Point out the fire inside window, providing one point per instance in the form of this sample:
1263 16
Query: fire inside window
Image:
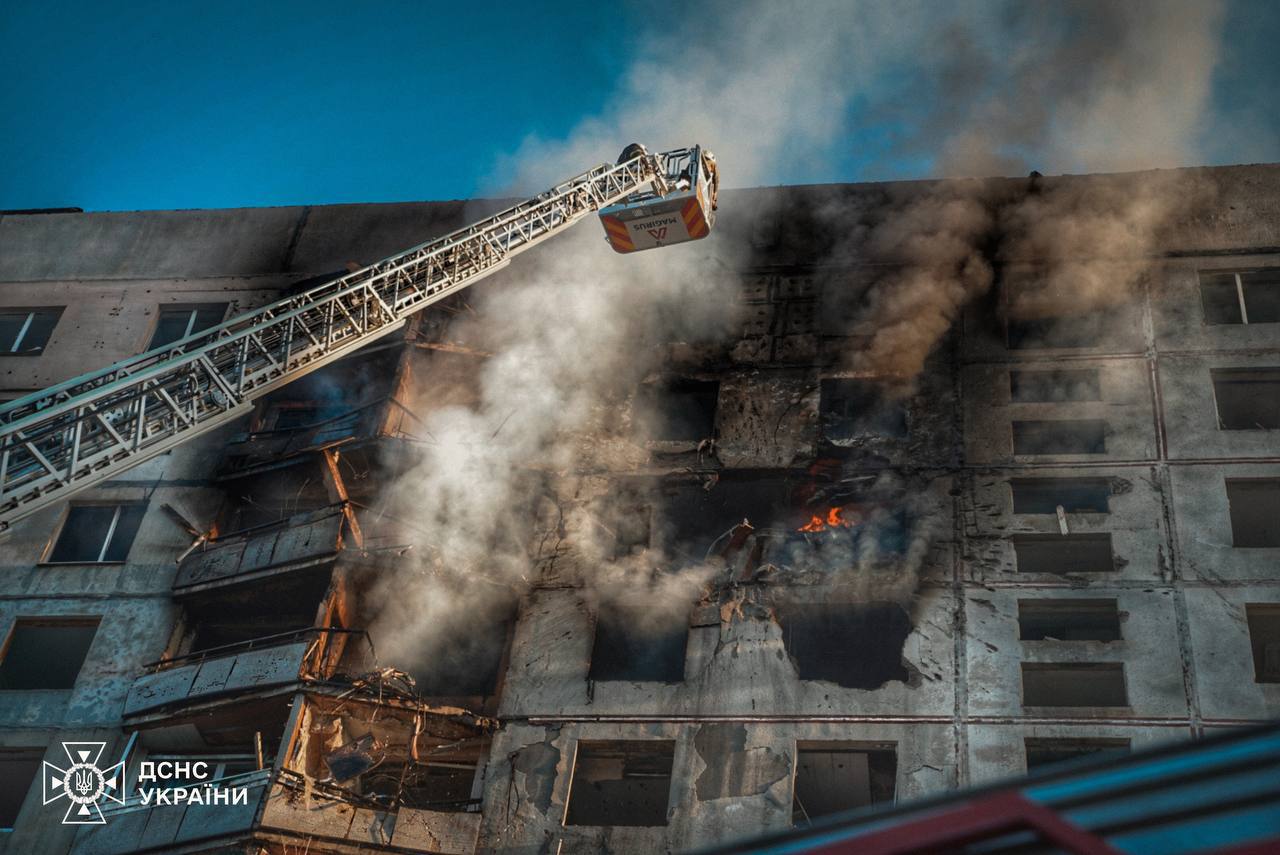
1241 297
25 332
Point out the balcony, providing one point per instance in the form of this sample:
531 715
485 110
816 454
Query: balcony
135 827
273 661
325 815
297 543
263 450
325 819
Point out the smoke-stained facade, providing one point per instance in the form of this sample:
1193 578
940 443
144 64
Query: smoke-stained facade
882 490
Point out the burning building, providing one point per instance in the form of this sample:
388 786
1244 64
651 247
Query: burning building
879 491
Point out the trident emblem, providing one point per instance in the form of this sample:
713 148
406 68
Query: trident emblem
83 783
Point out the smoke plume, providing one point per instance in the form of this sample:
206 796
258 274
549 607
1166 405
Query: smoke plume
775 88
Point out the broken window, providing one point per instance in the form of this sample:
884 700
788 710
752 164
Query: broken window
640 644
1028 387
630 523
1075 684
18 769
857 645
1248 398
835 777
1264 635
1068 620
851 407
1046 752
97 534
1254 504
1064 553
46 653
25 332
468 664
444 780
622 782
1244 297
1074 495
1062 436
1084 330
678 410
275 606
177 322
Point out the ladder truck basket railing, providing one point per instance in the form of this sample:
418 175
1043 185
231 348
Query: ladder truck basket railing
70 436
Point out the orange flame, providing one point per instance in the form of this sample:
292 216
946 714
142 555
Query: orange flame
834 519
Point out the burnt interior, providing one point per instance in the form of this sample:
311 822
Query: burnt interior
697 520
677 409
621 783
856 645
854 407
637 642
832 777
272 606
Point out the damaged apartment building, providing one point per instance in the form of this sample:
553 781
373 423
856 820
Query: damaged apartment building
769 584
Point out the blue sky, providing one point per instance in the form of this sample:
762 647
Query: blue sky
133 105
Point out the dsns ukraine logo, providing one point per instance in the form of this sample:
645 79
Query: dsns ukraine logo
83 783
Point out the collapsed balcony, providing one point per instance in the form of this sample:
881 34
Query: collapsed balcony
374 765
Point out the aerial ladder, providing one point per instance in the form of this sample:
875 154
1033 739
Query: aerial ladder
63 439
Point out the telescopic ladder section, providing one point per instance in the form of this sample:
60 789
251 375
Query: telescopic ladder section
58 441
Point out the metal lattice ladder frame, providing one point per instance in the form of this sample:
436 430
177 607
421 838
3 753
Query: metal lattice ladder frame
58 441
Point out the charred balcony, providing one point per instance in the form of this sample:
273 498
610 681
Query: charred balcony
353 404
376 765
296 544
266 665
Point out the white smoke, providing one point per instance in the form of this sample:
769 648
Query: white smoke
771 88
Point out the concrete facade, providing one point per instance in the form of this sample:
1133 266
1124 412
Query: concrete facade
738 722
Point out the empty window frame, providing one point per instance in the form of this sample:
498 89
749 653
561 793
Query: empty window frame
18 769
1068 620
637 644
1077 331
25 332
1241 297
97 534
1037 387
832 777
1060 436
1073 495
46 653
621 782
629 520
1064 553
1264 635
1247 398
852 407
857 645
1046 752
177 322
1254 504
680 410
1074 684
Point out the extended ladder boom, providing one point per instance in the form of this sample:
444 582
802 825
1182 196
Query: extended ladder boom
63 439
